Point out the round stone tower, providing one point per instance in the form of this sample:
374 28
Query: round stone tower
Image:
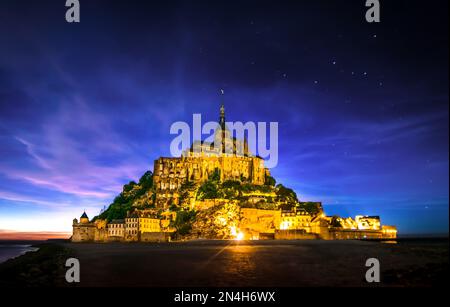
84 218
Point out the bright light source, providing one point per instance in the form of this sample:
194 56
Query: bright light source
240 236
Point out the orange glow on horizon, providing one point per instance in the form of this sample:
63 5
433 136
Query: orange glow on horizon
32 236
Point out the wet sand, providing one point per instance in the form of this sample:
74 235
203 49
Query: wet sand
261 263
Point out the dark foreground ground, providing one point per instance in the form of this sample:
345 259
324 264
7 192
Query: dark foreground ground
230 263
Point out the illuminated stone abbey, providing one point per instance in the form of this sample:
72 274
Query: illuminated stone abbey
226 154
218 190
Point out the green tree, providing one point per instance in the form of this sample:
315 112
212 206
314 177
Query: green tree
215 176
231 184
208 190
132 192
270 181
286 194
146 181
183 221
186 189
313 208
129 186
335 222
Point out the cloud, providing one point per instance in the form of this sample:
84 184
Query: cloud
29 199
31 152
69 155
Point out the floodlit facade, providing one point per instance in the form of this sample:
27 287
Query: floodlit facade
227 158
365 222
116 230
148 224
226 154
140 225
296 219
132 227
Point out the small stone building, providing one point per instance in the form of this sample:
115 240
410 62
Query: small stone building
116 230
84 230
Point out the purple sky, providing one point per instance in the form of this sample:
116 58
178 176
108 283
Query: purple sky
362 108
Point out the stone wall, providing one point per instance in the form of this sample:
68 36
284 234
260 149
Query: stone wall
115 239
294 235
208 203
171 173
83 232
259 220
155 237
346 234
100 235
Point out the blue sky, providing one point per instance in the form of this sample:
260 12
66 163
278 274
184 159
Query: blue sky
362 109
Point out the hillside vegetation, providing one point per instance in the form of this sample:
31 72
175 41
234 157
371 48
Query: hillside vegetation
142 195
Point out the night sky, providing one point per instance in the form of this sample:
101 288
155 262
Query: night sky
362 108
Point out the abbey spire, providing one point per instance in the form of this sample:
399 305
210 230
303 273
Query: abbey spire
222 117
222 112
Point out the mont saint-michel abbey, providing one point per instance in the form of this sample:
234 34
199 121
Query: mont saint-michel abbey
218 190
227 154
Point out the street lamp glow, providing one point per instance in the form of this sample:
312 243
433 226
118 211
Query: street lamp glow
239 236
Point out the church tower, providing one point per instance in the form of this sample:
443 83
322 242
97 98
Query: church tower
222 117
84 218
222 135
